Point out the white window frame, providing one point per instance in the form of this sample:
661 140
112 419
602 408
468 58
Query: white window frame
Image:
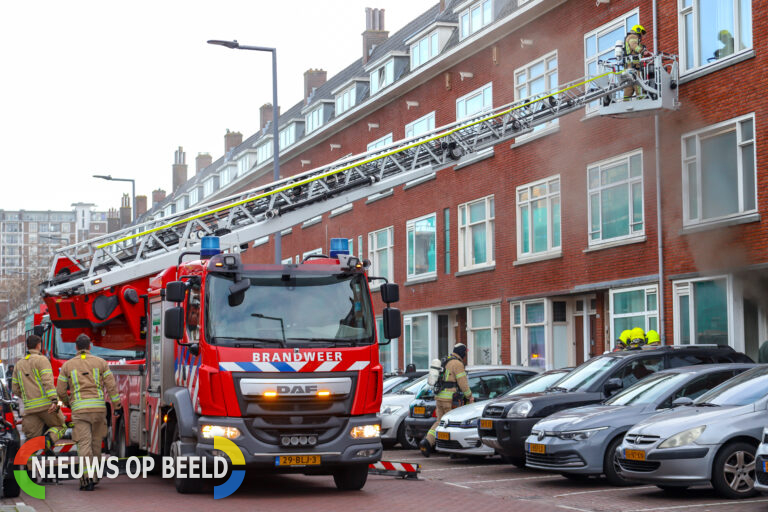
647 313
380 142
495 328
690 162
598 190
523 340
314 119
430 43
552 250
407 325
693 11
382 76
287 261
208 187
466 247
374 256
683 288
485 8
264 152
194 196
287 136
481 91
224 175
243 166
410 226
304 255
410 128
346 99
550 85
605 29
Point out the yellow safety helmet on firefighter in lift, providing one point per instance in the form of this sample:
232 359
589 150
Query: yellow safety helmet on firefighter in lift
638 29
637 338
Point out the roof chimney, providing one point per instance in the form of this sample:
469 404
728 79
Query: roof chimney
141 205
232 140
202 161
125 211
313 78
265 114
179 168
374 34
158 196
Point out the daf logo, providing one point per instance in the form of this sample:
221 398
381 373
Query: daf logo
541 435
297 389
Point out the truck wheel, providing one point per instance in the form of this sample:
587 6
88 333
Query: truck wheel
183 485
611 467
123 449
406 441
733 473
351 478
11 488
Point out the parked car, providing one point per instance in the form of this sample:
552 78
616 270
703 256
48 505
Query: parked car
712 441
394 409
761 463
457 432
582 441
507 423
485 382
398 382
10 442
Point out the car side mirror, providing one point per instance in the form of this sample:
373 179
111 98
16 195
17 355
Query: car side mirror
681 401
390 293
174 323
391 320
612 386
175 291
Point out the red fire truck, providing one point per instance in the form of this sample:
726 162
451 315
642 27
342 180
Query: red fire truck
281 359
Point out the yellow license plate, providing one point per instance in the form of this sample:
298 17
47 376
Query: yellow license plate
486 424
444 436
297 460
420 410
537 448
634 454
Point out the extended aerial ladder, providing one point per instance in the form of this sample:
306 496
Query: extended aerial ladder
147 248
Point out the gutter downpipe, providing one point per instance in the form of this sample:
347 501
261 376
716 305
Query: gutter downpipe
659 233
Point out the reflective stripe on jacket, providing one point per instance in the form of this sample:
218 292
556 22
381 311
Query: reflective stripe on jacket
86 376
454 372
33 381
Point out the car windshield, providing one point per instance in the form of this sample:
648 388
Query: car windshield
400 386
589 372
391 383
536 384
303 308
67 350
650 389
743 389
413 388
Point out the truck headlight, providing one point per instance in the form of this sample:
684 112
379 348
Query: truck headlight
683 438
390 409
520 409
211 431
365 431
579 435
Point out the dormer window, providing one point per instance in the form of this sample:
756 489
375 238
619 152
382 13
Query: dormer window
193 199
345 100
243 164
382 76
288 136
264 152
475 17
424 49
313 121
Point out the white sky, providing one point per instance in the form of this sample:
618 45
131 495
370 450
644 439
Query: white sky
100 87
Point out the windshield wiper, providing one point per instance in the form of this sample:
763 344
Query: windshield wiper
558 388
706 404
251 342
334 341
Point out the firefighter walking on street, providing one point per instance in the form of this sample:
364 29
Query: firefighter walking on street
86 377
453 393
33 381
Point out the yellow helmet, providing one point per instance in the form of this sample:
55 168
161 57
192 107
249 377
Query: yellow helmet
653 337
638 29
638 337
625 336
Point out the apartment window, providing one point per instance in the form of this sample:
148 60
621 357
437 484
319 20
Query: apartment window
529 322
380 143
380 253
701 312
538 218
634 307
223 178
536 78
479 100
382 76
719 171
475 18
208 187
345 100
421 235
360 247
287 136
615 189
416 340
420 126
447 238
712 30
32 227
387 353
314 119
476 234
287 261
264 152
193 196
65 227
484 324
243 165
600 43
423 50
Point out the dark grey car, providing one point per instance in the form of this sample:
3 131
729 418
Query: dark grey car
583 441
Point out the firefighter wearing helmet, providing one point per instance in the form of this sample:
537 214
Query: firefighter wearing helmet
633 50
637 338
623 342
653 340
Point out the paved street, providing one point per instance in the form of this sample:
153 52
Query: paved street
444 485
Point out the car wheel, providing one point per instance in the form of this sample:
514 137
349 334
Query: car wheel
515 461
611 468
406 441
733 473
11 487
351 478
672 489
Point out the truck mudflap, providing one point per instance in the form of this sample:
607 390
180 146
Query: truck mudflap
344 450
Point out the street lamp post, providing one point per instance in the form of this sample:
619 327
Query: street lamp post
109 177
275 142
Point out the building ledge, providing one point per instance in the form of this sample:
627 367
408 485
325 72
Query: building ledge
286 231
342 209
419 280
617 243
724 223
380 195
717 66
312 222
477 157
534 259
487 268
525 139
419 181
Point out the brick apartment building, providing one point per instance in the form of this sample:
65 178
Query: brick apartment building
542 249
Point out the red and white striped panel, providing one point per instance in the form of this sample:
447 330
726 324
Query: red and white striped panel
395 466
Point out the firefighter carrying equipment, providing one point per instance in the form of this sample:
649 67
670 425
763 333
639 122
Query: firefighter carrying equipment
33 382
87 376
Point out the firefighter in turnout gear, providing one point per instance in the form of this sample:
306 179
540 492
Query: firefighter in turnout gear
454 393
633 50
33 382
86 377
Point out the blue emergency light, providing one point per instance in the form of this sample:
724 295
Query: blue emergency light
209 246
339 246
